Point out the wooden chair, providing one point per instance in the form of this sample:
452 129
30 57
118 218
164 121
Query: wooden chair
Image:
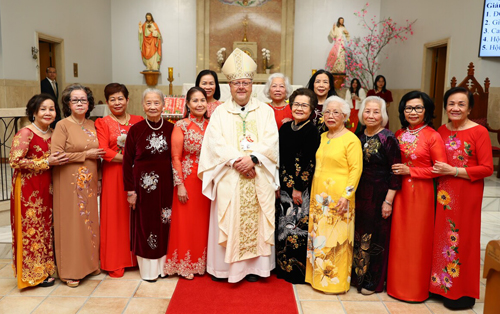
479 113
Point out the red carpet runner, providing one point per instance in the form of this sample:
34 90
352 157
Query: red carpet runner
202 295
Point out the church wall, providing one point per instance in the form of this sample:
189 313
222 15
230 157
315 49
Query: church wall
436 20
85 28
313 21
176 20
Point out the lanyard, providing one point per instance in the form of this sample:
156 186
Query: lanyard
244 123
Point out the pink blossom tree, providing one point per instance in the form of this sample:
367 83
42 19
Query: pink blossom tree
362 53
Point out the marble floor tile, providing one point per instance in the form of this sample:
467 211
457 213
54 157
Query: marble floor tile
60 305
104 305
359 307
322 307
19 305
407 308
116 288
34 291
147 306
438 308
305 292
353 295
85 289
7 285
162 288
6 270
478 308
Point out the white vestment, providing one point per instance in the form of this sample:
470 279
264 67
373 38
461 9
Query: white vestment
241 235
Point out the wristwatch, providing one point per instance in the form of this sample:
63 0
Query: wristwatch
254 159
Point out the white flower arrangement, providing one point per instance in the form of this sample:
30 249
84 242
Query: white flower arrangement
221 56
266 57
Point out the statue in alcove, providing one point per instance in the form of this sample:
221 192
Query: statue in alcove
339 36
150 43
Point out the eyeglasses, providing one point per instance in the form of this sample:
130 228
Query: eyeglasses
298 105
333 113
418 109
82 101
239 84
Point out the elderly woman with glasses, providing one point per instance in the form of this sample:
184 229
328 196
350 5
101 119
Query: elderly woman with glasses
410 251
278 89
299 140
374 197
76 221
339 163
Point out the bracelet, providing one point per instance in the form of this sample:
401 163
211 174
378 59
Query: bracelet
456 174
387 202
130 193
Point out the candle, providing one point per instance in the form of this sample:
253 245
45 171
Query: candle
171 73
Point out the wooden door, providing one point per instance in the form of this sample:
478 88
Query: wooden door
47 58
438 83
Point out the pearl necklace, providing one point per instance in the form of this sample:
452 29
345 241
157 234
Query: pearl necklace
43 132
161 124
80 124
415 132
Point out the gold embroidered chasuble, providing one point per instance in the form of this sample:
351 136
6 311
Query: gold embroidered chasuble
245 206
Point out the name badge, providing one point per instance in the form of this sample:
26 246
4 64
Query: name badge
245 144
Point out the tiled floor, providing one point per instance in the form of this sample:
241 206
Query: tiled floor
102 294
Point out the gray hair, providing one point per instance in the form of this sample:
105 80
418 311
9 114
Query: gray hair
344 106
377 100
288 87
154 91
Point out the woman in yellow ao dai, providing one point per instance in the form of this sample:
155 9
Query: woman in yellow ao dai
339 163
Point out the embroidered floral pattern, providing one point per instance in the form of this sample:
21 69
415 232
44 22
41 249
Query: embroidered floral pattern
191 147
452 268
166 213
249 217
157 143
186 266
408 144
152 241
370 148
149 181
444 199
84 192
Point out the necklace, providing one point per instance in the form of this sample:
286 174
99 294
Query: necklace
161 124
296 128
80 124
244 122
199 124
415 132
127 119
43 132
330 138
369 138
277 108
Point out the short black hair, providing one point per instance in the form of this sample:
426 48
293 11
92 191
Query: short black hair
114 88
459 89
331 79
66 95
313 99
209 72
34 104
428 105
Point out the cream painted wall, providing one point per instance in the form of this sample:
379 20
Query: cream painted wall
459 20
84 26
313 21
177 22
